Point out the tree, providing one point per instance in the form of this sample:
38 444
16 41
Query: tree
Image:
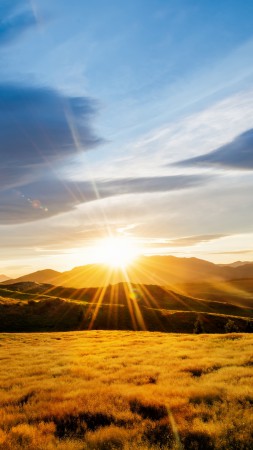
198 327
231 327
249 326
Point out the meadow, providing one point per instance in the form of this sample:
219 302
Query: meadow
105 390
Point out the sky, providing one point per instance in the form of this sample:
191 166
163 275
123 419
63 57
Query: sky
127 120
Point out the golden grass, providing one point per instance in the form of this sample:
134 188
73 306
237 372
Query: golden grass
125 390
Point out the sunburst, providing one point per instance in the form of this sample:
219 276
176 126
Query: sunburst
117 252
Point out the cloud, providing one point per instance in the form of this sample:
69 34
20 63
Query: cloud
193 240
14 21
40 128
41 131
50 196
150 184
181 242
237 154
235 252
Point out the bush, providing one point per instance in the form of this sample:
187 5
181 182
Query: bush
231 327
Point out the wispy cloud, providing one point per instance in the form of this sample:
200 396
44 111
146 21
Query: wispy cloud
16 18
237 154
187 241
41 131
188 137
50 196
193 240
235 252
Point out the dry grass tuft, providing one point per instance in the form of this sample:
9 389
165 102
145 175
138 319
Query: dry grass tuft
108 438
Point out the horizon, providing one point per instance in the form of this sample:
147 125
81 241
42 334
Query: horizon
125 128
119 269
18 271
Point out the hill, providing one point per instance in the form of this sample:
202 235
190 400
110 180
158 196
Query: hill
159 270
237 292
36 307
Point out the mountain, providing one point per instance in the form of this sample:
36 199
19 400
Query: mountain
244 271
3 278
156 270
236 264
41 276
160 270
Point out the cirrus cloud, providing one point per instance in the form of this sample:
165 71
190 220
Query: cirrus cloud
51 196
16 18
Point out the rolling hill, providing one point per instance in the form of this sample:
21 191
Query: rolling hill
158 293
237 292
31 306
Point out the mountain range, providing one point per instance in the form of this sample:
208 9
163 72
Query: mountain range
155 270
156 293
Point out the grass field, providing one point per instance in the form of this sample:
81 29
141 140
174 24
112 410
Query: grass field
126 390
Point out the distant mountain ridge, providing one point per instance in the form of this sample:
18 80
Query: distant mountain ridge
236 264
41 276
156 270
3 278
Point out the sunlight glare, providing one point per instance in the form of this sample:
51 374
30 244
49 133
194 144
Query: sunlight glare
117 252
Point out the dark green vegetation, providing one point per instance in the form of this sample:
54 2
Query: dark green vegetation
39 307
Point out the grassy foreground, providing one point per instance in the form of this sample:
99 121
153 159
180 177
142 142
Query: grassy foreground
126 390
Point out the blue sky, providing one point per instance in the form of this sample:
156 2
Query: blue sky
125 118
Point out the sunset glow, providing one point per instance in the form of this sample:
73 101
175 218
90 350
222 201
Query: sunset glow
116 252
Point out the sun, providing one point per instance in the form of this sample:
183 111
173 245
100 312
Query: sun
117 252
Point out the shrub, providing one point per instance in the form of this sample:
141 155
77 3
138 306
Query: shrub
231 327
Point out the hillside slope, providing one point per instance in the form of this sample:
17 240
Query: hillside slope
33 307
